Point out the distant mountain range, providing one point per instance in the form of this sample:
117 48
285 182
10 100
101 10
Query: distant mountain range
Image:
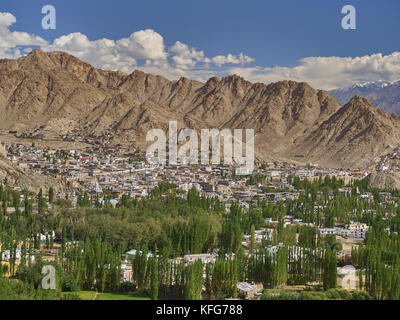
51 94
385 95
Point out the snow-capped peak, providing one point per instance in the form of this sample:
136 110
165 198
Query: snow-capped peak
373 84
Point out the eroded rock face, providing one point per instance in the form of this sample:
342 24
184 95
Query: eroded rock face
63 94
384 180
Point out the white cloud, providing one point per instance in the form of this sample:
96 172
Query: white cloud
241 59
185 57
102 53
12 41
122 54
330 72
143 45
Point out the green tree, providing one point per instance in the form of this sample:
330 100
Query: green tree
154 277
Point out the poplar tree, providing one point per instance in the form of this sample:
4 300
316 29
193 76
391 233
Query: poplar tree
330 269
252 238
154 276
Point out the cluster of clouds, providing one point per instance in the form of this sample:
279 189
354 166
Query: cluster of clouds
11 41
330 72
146 50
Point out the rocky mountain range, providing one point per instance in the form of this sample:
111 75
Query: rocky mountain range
53 94
385 95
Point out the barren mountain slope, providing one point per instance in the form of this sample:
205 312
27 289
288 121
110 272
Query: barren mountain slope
12 175
353 136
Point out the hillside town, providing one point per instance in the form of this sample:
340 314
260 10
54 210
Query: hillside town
118 173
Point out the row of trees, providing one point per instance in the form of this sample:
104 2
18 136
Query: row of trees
379 260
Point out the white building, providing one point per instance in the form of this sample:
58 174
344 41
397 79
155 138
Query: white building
205 258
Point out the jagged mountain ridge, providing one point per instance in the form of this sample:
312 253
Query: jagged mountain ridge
60 92
385 95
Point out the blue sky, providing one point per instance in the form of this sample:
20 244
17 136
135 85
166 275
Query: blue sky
270 33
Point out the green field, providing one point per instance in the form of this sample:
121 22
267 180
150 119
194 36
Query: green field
91 295
116 296
84 295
